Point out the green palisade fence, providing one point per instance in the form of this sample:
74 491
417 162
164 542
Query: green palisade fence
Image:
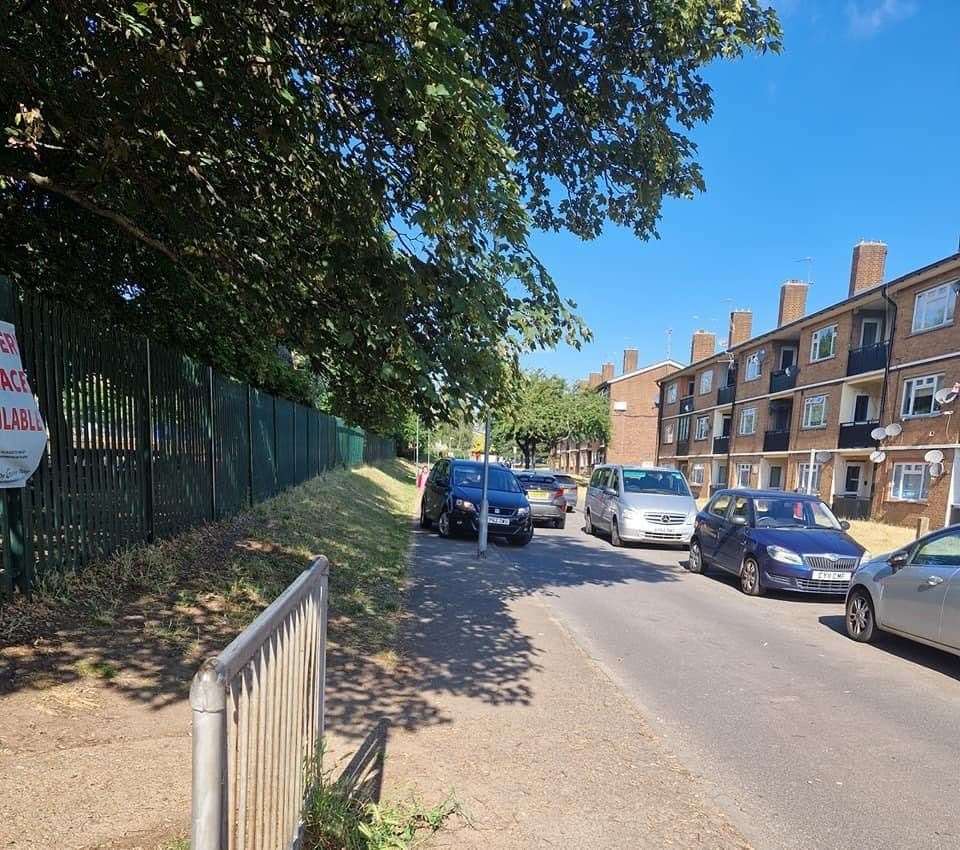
145 442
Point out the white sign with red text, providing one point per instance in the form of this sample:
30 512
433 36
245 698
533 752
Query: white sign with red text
23 436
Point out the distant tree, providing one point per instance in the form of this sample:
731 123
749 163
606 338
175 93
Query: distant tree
353 181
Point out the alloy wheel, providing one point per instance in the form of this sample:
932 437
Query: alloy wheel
750 577
696 559
443 524
615 534
859 617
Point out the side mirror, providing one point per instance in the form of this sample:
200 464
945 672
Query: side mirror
612 491
898 560
844 525
738 520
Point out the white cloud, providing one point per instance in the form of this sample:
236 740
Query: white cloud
868 18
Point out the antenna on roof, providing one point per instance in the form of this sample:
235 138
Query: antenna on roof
809 262
669 342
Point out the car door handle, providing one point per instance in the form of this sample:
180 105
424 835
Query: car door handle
933 581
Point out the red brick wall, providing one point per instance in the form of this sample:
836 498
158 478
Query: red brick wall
633 432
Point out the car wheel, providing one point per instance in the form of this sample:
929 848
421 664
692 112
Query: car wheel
860 619
443 524
424 519
523 539
560 523
750 578
587 523
696 562
615 533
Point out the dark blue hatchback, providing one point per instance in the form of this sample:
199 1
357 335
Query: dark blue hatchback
772 539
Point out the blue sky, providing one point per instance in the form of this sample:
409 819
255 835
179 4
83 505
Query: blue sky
853 132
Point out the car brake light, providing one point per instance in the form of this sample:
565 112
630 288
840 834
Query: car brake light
559 494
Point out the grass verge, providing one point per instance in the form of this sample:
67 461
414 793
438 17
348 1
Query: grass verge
877 537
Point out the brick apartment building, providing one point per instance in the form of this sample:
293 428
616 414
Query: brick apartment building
632 397
806 398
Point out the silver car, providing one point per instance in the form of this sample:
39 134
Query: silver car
914 592
545 496
571 490
640 504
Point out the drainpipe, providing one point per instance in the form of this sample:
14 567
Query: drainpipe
886 377
659 420
732 367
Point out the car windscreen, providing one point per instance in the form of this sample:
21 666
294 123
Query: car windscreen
654 481
501 480
787 512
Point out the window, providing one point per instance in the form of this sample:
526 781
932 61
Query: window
741 508
596 478
804 484
776 477
910 482
935 307
942 551
748 421
654 481
696 474
754 366
718 507
706 382
918 396
824 343
703 427
815 412
683 428
668 433
690 386
743 474
672 393
721 477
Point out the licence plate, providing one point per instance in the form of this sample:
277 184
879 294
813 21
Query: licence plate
665 529
537 494
498 520
830 575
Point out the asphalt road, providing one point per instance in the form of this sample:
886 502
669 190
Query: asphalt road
806 739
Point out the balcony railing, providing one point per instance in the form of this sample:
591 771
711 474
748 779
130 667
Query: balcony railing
783 379
851 507
776 441
683 447
856 435
721 445
686 404
725 394
867 359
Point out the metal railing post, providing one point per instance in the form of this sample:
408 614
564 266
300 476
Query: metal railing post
208 702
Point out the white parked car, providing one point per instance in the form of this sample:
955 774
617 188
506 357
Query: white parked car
914 592
640 504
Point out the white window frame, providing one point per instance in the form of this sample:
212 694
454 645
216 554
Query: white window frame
706 382
808 404
946 291
672 393
741 468
668 432
909 401
703 428
754 367
803 471
815 343
683 428
696 474
753 421
901 470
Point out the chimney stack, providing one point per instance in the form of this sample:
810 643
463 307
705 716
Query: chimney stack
631 360
793 301
607 371
703 345
594 380
741 327
868 266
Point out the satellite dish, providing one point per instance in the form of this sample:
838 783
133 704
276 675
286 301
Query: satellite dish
762 355
894 429
933 456
947 395
878 456
936 470
878 433
822 457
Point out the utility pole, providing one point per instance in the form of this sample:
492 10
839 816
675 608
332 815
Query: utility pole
417 449
482 535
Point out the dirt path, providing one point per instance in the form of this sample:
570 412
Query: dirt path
494 701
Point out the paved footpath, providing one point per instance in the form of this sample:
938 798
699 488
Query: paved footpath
494 700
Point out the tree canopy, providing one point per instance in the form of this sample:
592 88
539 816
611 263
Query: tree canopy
355 182
544 410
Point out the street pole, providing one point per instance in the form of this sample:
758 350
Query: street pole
417 450
482 536
810 473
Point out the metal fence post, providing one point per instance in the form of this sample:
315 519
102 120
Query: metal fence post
250 443
211 446
208 702
148 448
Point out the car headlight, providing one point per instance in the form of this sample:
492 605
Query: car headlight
633 516
866 556
522 511
464 505
785 556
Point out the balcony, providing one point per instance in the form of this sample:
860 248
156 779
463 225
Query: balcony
721 445
725 394
686 404
683 447
851 507
856 435
776 441
783 379
867 359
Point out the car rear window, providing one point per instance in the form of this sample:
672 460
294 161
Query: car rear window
566 480
538 482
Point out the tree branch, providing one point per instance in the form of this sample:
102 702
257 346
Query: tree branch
39 181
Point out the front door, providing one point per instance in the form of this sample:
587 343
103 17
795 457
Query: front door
869 332
611 496
775 478
860 408
788 356
851 480
913 597
725 426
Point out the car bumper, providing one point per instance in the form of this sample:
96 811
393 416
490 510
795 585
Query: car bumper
643 533
468 522
550 511
571 500
776 576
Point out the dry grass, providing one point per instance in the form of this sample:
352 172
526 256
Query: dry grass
877 537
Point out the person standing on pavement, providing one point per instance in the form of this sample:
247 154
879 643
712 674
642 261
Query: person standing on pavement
422 476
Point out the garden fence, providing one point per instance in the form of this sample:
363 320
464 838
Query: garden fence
145 442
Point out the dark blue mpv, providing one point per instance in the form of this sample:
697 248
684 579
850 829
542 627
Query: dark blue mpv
775 540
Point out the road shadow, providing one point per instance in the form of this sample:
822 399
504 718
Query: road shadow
937 660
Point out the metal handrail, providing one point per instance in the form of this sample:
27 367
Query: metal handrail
250 764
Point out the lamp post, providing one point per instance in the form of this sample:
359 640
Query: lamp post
482 535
